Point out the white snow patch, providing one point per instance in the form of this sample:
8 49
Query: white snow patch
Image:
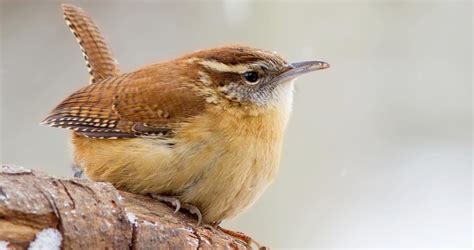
132 218
3 197
120 198
154 224
149 223
3 245
47 239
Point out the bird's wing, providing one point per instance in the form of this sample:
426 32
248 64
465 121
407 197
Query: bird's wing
99 59
130 105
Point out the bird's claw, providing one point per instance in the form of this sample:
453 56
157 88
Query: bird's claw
178 205
247 239
194 210
168 199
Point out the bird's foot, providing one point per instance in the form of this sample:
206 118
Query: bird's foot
77 171
194 210
178 205
168 199
239 235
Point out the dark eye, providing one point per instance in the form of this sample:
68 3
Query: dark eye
250 76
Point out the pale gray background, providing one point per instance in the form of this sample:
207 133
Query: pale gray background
378 151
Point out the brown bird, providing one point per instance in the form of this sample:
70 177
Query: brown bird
203 131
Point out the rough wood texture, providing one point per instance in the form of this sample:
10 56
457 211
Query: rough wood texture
94 215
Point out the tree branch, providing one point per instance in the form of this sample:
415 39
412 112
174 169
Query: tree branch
93 215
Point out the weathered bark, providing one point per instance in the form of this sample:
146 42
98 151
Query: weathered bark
94 215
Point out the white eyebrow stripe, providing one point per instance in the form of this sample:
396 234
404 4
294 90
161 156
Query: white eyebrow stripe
221 67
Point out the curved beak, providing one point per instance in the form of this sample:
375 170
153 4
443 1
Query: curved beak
296 69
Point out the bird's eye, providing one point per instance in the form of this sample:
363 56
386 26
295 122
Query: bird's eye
250 76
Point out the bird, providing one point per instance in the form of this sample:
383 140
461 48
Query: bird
203 131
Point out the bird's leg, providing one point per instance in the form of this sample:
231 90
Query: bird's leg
239 235
78 171
178 205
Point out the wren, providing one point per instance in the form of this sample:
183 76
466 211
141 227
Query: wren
204 129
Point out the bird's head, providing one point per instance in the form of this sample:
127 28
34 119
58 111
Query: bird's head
246 75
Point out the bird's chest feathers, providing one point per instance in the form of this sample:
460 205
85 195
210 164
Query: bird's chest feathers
229 146
234 141
230 158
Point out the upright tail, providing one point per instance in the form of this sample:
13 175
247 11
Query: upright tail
99 59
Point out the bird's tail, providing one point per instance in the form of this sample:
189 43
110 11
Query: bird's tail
99 59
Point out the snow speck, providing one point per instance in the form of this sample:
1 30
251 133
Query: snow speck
149 223
132 218
13 169
120 198
3 245
3 196
49 238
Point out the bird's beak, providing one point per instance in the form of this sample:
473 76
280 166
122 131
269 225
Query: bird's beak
294 70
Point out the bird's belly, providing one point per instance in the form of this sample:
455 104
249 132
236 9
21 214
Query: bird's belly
231 178
219 171
221 179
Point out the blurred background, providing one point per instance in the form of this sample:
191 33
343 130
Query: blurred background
378 152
